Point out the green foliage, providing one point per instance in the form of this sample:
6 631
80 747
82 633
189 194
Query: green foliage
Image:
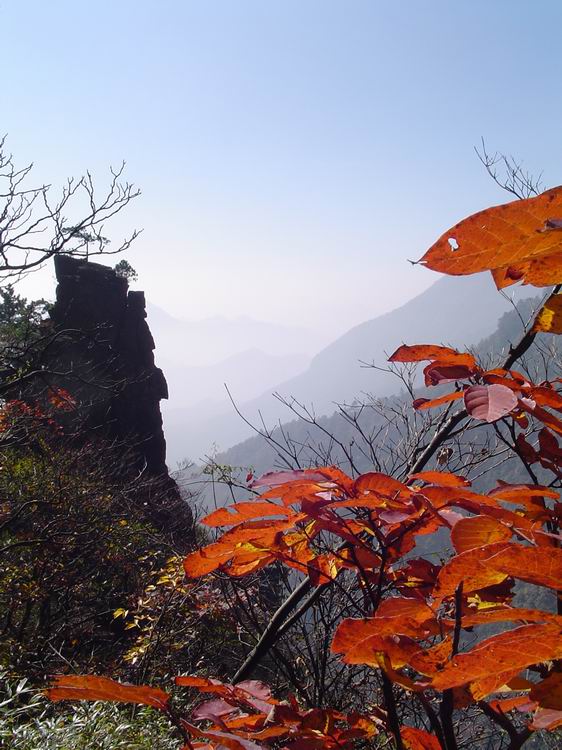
125 270
20 319
28 722
71 532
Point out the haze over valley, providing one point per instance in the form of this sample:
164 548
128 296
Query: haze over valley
199 417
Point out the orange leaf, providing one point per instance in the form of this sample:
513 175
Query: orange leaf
486 566
513 650
381 484
361 641
548 693
422 352
509 614
418 739
520 702
240 512
425 403
477 531
205 560
92 688
549 319
441 478
519 493
491 684
503 237
546 396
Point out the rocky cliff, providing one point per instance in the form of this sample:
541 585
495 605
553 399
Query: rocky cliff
104 354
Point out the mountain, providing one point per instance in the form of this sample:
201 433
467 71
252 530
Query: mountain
456 311
199 357
212 340
365 437
247 373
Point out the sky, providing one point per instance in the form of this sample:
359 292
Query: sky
292 155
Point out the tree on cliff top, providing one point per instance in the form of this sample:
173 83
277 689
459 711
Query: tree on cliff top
36 225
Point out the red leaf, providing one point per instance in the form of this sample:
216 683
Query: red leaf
486 566
425 403
548 693
513 650
92 688
421 352
477 531
441 478
546 718
418 739
489 402
438 373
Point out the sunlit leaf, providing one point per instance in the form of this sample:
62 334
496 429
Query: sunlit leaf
441 478
513 650
93 688
505 238
422 352
492 564
418 739
425 403
549 319
477 531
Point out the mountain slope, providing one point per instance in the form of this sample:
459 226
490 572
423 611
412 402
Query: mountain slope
312 445
457 311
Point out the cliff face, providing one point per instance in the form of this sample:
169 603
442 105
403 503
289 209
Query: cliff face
105 357
113 360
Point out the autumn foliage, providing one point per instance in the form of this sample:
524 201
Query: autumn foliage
448 637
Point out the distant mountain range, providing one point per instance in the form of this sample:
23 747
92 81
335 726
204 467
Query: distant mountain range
455 311
261 455
212 340
248 373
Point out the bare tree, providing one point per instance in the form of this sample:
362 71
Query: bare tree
36 224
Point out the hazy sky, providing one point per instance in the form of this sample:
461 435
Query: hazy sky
292 155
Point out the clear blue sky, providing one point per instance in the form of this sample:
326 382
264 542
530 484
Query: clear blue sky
292 155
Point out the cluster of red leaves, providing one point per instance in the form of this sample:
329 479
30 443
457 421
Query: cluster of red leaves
241 717
490 395
417 607
14 411
322 522
378 519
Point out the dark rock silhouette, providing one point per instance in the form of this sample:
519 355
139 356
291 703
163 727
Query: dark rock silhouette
105 357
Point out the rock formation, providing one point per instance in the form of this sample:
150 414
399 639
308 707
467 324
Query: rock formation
105 357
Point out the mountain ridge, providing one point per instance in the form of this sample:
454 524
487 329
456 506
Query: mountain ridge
458 312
